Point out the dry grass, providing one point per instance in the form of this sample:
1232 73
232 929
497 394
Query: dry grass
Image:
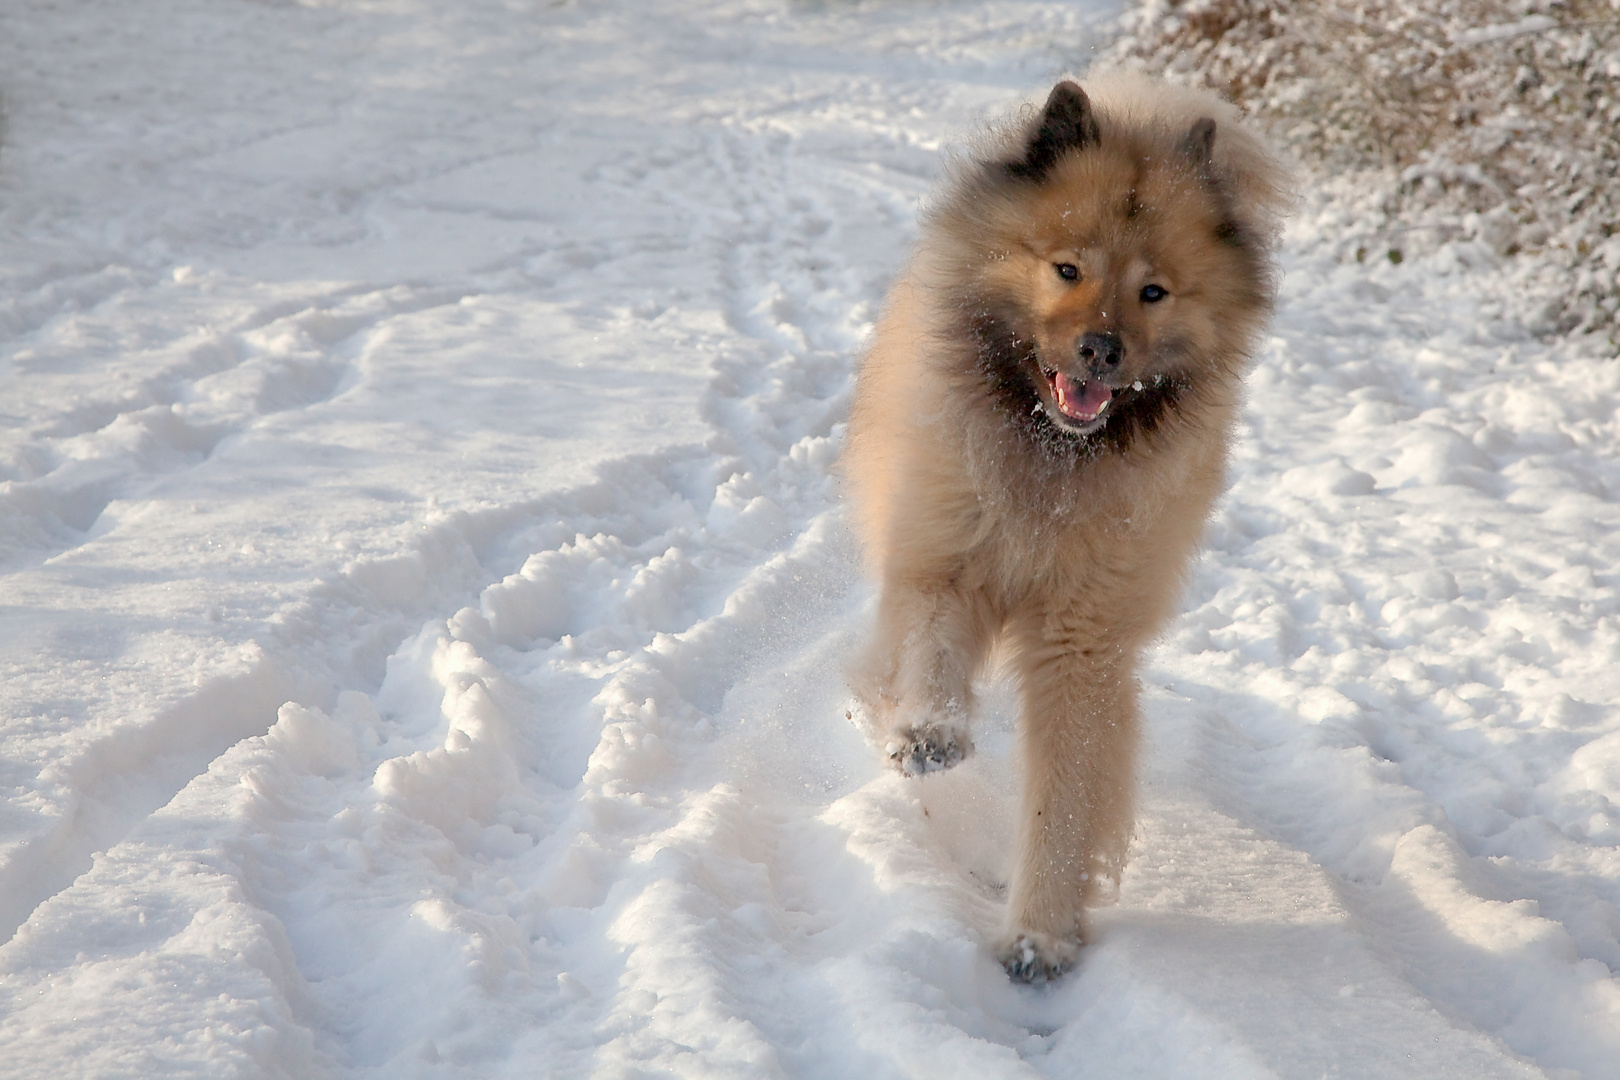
1496 121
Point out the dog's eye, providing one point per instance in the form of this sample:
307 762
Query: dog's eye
1152 294
1068 271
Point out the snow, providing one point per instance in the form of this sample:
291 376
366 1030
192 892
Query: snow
424 596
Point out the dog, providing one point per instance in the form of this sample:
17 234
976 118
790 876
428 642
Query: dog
1038 433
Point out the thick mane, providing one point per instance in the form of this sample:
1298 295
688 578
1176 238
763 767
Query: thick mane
985 347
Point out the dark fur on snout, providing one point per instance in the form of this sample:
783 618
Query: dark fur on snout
1040 428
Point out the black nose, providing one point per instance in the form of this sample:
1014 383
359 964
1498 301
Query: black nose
1102 350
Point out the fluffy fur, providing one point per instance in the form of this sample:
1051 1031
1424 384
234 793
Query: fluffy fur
1039 430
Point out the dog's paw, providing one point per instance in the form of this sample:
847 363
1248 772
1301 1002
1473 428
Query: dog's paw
1033 957
927 748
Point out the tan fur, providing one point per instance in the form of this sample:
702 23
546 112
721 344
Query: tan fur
989 525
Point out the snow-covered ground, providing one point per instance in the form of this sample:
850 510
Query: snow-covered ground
423 592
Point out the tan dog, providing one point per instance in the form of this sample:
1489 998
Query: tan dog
1040 428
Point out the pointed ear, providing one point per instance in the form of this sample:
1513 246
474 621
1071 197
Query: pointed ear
1200 142
1067 123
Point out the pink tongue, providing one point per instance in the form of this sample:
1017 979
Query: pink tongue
1083 401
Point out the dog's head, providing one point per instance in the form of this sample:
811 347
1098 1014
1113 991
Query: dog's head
1112 250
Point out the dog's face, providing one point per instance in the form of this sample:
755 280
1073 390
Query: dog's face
1114 260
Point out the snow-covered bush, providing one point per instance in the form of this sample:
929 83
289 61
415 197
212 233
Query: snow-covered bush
1496 121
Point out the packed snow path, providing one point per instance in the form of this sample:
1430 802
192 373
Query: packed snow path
424 593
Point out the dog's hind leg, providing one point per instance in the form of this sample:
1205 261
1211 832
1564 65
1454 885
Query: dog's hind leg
931 639
1079 735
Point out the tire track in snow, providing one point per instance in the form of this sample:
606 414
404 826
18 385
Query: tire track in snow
665 677
252 166
104 805
255 846
173 400
77 462
714 501
105 785
556 821
658 708
218 381
698 868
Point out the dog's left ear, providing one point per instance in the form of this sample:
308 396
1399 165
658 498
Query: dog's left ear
1200 143
1067 123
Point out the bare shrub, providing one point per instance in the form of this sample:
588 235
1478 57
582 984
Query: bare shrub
1489 120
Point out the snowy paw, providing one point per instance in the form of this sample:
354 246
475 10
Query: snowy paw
1033 957
927 748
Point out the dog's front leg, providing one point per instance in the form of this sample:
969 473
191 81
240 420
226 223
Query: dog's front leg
1079 735
932 636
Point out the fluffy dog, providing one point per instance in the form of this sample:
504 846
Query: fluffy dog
1039 430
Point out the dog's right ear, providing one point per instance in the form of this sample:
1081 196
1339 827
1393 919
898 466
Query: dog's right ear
1067 123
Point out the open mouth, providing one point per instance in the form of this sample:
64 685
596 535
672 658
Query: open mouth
1082 402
